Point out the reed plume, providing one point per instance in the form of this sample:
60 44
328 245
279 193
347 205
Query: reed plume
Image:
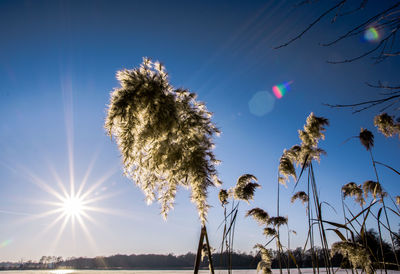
164 135
374 188
286 167
357 255
268 231
353 190
366 138
245 187
259 215
277 221
300 195
386 125
266 260
223 197
303 154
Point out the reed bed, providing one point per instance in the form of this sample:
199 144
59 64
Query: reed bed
359 246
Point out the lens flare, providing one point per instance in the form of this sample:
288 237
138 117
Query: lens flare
371 34
261 103
281 89
5 243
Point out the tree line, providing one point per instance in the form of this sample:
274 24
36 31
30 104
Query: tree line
303 259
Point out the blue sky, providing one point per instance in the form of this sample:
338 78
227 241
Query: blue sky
58 61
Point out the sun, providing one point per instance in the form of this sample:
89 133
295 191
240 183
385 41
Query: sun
73 207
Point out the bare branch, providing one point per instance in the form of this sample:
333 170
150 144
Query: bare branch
380 85
365 104
358 57
312 24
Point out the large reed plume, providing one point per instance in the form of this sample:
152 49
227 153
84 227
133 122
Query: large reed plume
165 138
164 135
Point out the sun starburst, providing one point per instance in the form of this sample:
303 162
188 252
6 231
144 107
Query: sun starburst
73 206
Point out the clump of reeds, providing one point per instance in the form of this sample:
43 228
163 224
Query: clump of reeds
303 155
357 255
266 260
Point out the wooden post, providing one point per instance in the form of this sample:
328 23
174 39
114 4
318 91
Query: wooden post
209 252
199 248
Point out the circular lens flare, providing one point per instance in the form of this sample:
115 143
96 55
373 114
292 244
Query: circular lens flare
371 34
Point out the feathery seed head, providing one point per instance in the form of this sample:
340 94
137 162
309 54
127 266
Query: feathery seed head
266 260
366 138
386 125
313 130
245 187
259 215
164 136
268 231
223 197
286 167
277 221
374 188
301 195
353 190
308 150
355 253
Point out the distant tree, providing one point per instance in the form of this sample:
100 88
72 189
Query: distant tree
372 242
164 135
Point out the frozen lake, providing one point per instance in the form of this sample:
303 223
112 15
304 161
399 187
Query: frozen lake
249 271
